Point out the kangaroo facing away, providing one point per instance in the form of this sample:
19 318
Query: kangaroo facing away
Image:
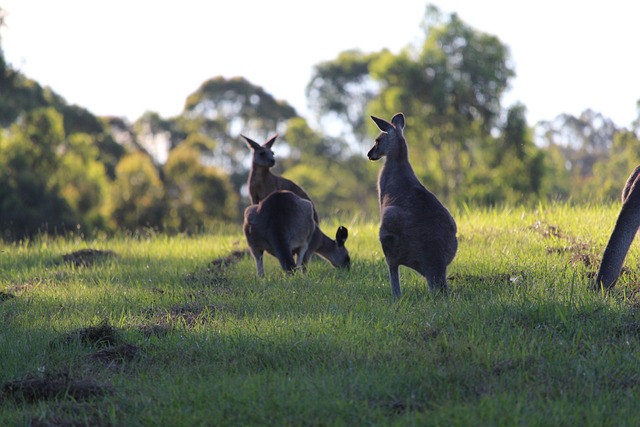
262 182
416 230
623 233
282 224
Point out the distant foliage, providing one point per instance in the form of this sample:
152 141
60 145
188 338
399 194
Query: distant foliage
197 196
64 170
31 199
83 182
137 194
223 108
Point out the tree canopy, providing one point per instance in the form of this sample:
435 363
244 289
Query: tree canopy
63 169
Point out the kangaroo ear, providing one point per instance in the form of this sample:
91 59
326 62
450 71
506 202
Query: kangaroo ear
382 124
398 121
251 143
270 142
341 235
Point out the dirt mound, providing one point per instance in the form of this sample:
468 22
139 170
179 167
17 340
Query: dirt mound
32 389
87 257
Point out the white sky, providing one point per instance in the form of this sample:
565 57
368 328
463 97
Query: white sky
125 57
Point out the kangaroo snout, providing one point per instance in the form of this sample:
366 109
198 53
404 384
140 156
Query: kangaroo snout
372 155
346 265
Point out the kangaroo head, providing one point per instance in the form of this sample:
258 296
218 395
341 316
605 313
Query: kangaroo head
262 154
387 140
341 257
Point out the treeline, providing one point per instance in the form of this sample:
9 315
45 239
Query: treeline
64 170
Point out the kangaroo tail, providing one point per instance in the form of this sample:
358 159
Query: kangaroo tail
630 181
622 236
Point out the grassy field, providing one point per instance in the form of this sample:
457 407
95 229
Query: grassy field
178 331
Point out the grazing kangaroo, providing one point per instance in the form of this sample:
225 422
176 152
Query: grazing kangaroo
623 233
262 182
282 224
416 230
333 251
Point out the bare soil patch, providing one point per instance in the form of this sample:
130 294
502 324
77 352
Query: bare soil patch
582 252
32 389
102 335
87 257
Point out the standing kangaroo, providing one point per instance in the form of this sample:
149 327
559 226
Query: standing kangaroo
282 224
262 182
623 233
416 230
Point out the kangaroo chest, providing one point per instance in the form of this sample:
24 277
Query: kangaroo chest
395 184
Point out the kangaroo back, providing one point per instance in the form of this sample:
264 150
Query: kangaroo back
282 225
262 181
623 234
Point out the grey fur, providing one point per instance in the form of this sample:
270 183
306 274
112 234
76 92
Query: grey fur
282 224
416 230
623 234
262 182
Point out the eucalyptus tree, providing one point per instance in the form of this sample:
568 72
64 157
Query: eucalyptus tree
449 86
336 179
196 195
610 172
340 91
582 139
137 196
223 108
50 181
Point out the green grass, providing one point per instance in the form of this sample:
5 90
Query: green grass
520 340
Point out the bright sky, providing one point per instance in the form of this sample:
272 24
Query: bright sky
125 57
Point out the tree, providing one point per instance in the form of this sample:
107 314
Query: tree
449 88
157 135
610 174
466 71
196 195
335 180
30 198
137 194
340 90
307 143
223 108
518 162
83 182
583 139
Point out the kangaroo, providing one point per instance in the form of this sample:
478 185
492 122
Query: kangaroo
623 233
630 181
262 182
416 230
333 251
282 224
